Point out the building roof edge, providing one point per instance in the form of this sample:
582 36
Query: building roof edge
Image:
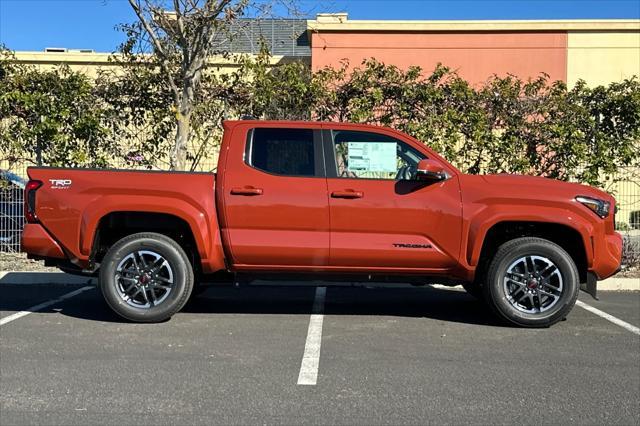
347 25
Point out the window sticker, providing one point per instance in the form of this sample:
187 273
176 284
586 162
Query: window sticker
372 156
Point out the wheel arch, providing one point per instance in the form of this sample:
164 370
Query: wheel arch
191 233
198 214
116 225
567 237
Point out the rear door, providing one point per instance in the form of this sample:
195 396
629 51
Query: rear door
381 217
276 209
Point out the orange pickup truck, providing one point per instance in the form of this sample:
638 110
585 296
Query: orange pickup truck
323 200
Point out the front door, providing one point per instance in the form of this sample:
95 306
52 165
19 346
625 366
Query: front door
276 211
381 217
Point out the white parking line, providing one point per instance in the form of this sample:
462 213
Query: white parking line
608 317
311 358
43 305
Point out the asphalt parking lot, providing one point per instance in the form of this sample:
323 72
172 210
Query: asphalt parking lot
384 356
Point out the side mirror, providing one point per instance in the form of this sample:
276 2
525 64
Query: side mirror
430 170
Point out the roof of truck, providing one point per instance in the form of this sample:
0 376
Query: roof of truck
302 123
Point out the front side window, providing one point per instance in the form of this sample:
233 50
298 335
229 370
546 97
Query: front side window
288 152
369 155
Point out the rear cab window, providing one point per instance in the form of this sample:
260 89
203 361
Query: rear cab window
285 152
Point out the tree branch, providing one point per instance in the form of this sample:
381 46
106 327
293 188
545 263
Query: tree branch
206 35
180 22
158 46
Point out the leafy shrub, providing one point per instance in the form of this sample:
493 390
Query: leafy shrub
536 127
622 226
50 117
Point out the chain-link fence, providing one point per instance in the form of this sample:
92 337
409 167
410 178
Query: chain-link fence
626 189
11 211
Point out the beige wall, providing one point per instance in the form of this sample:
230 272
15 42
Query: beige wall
90 63
602 57
87 63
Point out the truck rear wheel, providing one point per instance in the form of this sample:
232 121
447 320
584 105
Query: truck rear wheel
146 277
531 282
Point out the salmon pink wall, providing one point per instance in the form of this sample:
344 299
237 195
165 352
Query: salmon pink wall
475 55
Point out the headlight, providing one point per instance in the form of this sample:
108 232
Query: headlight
599 207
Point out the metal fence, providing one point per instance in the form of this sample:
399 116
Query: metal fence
11 212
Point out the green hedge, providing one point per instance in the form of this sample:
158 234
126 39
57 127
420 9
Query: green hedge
538 127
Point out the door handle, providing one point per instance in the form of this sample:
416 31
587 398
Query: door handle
246 191
347 194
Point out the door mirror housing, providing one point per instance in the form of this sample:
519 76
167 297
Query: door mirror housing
430 170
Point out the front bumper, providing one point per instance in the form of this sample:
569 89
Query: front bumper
36 241
607 261
607 256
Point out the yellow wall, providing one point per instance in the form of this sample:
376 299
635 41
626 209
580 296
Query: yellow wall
86 63
602 57
90 63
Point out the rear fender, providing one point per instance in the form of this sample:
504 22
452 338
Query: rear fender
205 229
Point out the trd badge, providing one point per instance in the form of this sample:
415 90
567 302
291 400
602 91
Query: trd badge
60 183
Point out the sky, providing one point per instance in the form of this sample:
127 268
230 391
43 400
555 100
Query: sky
91 24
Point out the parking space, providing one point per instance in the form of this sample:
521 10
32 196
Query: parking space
387 355
19 297
618 302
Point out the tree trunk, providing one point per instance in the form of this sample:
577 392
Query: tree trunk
179 154
183 132
38 152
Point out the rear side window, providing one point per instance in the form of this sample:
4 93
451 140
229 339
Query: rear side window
288 152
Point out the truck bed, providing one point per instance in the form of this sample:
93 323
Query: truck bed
72 202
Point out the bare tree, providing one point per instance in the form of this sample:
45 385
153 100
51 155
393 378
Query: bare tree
181 41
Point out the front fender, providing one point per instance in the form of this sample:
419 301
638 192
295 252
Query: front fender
480 223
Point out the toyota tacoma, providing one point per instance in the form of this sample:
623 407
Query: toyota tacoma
337 201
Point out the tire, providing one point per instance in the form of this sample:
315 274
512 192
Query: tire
146 277
531 282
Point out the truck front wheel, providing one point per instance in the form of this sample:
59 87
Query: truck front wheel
146 277
531 282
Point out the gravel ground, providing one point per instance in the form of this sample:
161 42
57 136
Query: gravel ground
19 262
632 272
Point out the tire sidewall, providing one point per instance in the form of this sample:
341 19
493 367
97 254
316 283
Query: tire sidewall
183 277
494 288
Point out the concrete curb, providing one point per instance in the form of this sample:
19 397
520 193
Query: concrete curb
619 284
60 278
